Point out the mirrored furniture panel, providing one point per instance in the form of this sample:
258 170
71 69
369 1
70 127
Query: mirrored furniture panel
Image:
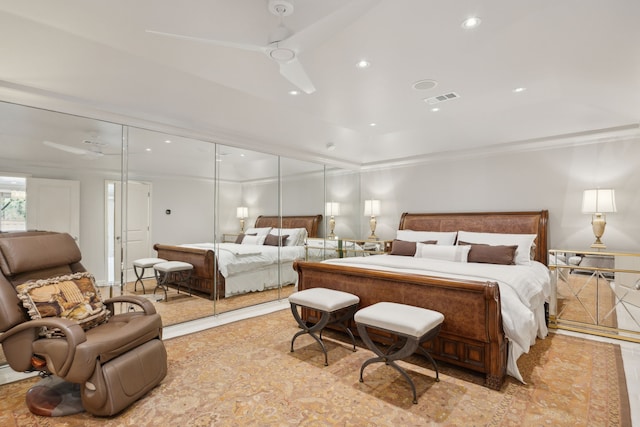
123 189
596 292
344 248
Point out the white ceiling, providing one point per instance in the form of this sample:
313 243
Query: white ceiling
579 61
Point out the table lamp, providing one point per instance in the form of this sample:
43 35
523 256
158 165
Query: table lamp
242 212
598 202
372 208
332 209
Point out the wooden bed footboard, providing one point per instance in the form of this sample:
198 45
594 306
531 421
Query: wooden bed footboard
205 275
471 336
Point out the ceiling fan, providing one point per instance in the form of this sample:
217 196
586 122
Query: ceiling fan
92 153
284 46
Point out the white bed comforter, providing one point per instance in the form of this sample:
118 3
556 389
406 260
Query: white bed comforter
236 258
523 292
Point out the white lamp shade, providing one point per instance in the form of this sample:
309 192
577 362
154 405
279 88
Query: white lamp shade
372 207
332 208
600 200
242 212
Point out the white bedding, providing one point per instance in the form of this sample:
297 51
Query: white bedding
523 291
248 268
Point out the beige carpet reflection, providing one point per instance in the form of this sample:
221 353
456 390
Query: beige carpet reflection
243 374
181 307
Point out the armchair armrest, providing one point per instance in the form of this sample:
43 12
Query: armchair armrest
146 305
73 334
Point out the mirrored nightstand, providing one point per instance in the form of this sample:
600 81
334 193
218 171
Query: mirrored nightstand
596 293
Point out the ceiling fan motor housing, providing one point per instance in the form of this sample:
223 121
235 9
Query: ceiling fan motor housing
280 7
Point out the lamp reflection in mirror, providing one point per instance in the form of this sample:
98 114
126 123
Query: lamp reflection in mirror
242 212
371 209
332 209
598 202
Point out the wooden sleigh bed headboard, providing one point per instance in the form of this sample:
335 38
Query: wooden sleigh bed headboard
310 222
534 222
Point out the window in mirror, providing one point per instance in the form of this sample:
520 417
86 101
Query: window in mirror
13 213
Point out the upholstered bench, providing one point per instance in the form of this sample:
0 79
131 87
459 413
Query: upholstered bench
336 307
412 325
139 266
177 272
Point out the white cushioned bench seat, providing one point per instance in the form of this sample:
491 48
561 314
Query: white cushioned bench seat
177 272
148 262
139 266
401 318
335 307
412 327
170 266
323 299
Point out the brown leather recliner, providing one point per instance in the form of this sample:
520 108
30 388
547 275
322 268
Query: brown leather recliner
114 363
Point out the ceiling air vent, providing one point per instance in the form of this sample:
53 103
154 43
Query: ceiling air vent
441 98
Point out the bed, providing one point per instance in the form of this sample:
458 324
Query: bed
242 268
477 310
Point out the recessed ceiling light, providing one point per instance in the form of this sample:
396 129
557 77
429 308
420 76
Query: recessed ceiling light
519 89
373 124
424 84
471 22
363 63
435 109
294 92
147 149
167 141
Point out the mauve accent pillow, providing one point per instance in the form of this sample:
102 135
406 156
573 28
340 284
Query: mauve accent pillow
490 254
404 248
273 240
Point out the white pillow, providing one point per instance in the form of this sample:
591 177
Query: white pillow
297 236
442 252
253 240
524 242
261 231
442 237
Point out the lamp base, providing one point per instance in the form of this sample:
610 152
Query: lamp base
598 223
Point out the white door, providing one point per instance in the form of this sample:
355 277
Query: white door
137 234
54 205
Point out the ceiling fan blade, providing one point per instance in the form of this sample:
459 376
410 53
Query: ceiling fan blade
223 43
67 148
294 72
320 31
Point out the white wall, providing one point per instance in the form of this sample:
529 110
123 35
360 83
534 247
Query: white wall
92 206
550 179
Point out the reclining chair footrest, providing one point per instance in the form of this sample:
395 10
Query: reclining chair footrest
122 381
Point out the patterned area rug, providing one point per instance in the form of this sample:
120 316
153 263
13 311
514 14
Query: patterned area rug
182 307
243 374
